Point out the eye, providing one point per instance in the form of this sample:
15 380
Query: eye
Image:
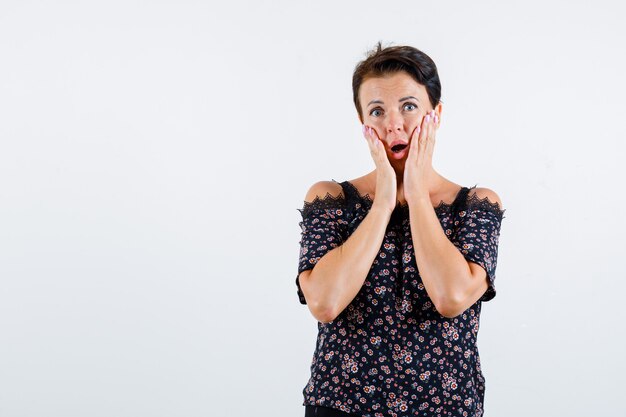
377 109
410 106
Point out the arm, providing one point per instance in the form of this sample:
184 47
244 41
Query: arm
339 275
452 282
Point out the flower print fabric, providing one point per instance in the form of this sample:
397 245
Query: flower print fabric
478 237
324 227
390 352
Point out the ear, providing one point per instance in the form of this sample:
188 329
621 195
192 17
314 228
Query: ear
438 110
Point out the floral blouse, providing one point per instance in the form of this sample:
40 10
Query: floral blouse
390 352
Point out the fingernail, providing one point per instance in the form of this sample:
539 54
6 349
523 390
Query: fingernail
363 129
427 118
436 118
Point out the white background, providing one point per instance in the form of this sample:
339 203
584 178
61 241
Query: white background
153 155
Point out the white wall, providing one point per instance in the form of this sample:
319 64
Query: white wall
153 156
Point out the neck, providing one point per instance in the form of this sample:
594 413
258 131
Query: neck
435 181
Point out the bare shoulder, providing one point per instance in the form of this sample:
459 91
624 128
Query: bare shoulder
483 193
322 189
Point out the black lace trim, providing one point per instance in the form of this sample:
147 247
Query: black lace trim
329 202
404 206
485 203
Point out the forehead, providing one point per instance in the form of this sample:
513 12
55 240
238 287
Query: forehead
398 84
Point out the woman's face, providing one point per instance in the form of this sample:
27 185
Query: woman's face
394 106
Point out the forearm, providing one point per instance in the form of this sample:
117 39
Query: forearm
339 275
444 271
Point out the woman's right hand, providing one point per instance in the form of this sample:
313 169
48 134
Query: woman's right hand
386 182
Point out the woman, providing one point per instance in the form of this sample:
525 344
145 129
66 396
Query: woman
395 264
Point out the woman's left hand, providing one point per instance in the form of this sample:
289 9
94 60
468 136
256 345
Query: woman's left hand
419 160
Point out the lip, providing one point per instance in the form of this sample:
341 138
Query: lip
401 154
398 142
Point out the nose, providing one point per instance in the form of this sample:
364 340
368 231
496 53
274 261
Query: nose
395 123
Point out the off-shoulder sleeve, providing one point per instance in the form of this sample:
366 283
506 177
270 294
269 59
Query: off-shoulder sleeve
323 228
478 237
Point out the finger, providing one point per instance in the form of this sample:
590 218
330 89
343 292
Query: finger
381 154
424 133
431 122
433 125
414 141
375 140
373 144
366 134
429 127
373 133
431 134
372 137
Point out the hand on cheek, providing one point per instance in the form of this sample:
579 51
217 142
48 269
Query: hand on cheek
419 159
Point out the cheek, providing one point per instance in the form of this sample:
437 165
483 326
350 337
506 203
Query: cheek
377 124
415 121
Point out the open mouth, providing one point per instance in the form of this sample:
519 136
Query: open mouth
398 148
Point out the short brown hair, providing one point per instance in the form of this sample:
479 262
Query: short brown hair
383 61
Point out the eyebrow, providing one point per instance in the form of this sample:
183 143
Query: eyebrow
399 101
